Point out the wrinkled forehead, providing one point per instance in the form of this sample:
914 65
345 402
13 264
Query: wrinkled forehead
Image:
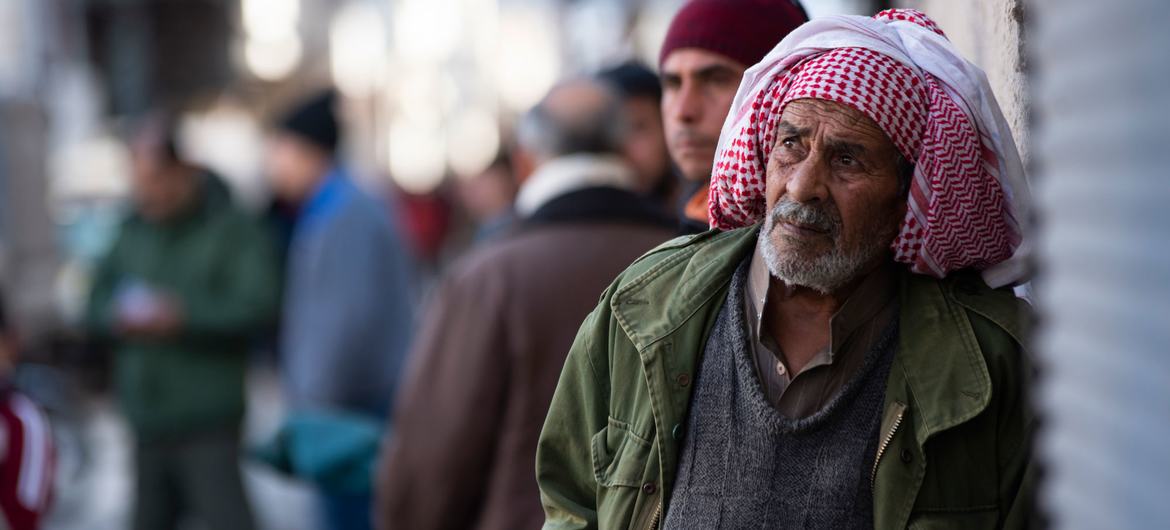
834 121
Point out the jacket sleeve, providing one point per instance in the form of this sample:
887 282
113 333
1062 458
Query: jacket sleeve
437 460
99 308
1017 470
244 296
564 469
1011 372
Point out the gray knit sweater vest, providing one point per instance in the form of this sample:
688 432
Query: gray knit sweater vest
745 465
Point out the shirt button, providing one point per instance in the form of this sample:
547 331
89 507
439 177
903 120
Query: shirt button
907 456
677 431
780 369
683 380
649 488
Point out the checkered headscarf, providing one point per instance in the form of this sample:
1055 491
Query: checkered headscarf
960 212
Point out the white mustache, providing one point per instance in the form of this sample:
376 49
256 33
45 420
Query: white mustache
817 218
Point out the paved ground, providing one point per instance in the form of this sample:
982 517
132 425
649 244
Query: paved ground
95 492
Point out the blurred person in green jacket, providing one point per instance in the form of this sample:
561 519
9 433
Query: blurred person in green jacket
188 283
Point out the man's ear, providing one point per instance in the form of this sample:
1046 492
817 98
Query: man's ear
523 165
8 353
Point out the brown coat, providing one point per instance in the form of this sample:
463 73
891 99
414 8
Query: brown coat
487 362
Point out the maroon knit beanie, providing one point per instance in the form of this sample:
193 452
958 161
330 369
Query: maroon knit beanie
743 30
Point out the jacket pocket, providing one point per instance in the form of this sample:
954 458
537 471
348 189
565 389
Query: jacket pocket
623 469
973 519
619 456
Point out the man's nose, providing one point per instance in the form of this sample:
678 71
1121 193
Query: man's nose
687 106
806 182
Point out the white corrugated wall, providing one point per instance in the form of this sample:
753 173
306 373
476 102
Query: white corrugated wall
1102 153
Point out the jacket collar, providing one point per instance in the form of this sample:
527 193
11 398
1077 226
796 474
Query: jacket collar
327 196
946 376
661 299
945 372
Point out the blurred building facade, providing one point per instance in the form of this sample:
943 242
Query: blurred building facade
1102 96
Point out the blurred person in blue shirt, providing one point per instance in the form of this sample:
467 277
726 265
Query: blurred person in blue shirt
347 316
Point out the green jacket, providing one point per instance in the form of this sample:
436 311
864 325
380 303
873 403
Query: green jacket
220 264
954 449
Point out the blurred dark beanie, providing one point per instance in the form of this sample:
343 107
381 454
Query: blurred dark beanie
314 120
633 79
743 30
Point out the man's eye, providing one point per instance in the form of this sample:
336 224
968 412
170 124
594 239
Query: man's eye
789 142
724 79
846 160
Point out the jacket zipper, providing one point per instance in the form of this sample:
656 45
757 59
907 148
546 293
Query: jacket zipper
889 437
654 518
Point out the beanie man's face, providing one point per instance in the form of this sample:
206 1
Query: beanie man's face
698 87
295 167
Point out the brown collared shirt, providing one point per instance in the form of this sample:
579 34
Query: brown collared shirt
853 329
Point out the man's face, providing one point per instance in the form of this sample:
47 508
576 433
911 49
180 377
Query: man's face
489 193
162 188
697 90
833 197
645 145
294 167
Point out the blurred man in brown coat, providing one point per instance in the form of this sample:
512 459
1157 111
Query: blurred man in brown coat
494 341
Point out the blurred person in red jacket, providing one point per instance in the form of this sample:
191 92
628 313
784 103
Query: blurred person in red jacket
26 446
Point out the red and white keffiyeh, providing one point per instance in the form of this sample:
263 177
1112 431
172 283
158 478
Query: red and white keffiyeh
968 197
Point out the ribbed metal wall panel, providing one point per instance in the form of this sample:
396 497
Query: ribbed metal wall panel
1102 100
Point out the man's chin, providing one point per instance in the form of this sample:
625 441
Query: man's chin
799 247
694 168
798 263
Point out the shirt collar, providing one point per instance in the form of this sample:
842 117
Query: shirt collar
326 194
874 292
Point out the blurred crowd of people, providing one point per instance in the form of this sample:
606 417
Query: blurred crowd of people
410 404
431 396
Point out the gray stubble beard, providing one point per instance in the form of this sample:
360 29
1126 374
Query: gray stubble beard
829 271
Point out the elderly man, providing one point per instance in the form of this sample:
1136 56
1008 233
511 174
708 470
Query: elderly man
837 357
495 339
708 46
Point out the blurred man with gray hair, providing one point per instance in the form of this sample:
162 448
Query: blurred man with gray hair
493 343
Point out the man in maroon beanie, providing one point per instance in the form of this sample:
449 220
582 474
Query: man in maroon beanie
708 46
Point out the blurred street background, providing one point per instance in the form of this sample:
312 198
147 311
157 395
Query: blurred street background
428 95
